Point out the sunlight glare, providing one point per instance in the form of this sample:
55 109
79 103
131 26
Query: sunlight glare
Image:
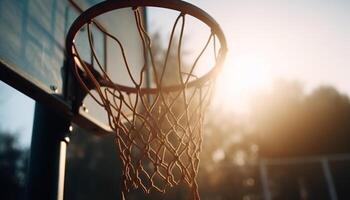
240 79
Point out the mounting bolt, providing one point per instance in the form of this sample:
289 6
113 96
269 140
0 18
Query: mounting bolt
85 109
70 128
54 88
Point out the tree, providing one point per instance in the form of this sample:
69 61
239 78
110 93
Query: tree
13 166
292 123
228 168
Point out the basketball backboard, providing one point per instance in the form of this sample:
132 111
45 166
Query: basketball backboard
32 52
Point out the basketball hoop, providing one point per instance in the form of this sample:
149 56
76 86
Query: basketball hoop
158 128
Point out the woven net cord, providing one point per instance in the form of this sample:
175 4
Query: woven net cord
158 132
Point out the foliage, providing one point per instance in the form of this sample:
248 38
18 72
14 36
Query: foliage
292 123
13 165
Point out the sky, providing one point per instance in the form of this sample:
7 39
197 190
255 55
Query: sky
299 40
16 114
304 40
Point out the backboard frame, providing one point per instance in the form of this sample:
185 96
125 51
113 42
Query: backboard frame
63 103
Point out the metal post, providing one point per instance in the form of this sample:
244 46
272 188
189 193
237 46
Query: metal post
47 155
329 178
264 180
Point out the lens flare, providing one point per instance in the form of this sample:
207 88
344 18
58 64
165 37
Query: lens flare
240 79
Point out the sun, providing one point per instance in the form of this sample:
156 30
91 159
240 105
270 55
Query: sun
240 79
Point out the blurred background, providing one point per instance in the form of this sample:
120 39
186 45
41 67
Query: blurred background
278 126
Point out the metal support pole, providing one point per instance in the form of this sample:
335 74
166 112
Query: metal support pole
47 155
329 178
264 179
